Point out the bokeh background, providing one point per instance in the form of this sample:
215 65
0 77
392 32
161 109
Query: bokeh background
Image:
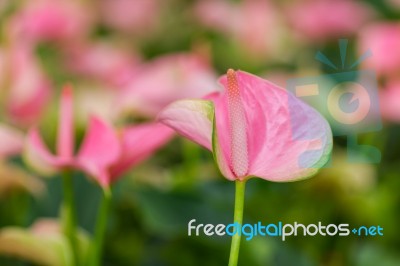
127 59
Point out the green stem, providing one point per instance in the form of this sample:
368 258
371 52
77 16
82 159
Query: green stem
238 218
191 156
101 225
69 214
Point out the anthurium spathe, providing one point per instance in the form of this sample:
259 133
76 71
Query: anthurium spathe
254 128
134 145
325 24
255 25
381 37
24 87
138 142
164 80
104 154
114 66
48 20
91 158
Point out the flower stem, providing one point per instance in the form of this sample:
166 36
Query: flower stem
69 215
101 224
191 160
238 218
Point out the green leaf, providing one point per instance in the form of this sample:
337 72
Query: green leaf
43 244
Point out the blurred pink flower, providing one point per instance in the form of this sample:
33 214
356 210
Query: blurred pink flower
166 79
252 130
54 20
26 88
216 14
383 39
101 151
107 158
390 102
319 20
139 16
138 143
103 62
13 177
11 141
254 24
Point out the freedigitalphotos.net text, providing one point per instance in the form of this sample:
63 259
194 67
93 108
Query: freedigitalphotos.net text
281 230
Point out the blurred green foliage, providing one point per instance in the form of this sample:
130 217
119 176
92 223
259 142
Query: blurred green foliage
153 204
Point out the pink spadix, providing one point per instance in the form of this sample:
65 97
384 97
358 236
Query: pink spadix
239 157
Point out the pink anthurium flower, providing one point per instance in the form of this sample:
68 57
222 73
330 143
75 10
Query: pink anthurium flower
255 129
106 152
103 62
134 145
254 24
103 154
138 143
164 80
320 20
26 89
131 15
30 89
381 38
49 20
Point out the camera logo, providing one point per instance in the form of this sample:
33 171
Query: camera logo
347 98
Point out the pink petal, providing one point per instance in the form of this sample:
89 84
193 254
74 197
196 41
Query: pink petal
380 38
100 149
29 88
390 98
30 110
221 143
167 79
255 25
216 14
138 143
130 15
192 119
325 23
38 156
103 62
65 141
49 20
287 139
11 141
